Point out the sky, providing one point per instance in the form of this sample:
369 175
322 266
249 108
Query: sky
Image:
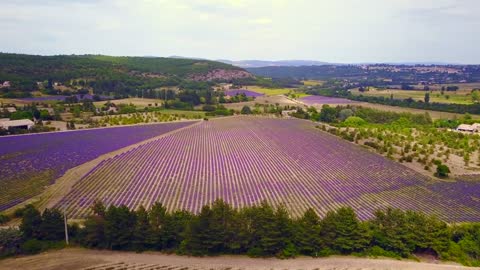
339 31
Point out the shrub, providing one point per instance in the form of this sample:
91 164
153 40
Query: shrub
32 246
4 219
255 252
442 170
354 121
377 251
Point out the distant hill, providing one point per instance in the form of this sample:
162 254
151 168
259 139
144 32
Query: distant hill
262 63
309 72
108 73
380 74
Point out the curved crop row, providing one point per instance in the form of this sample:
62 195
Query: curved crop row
245 160
29 163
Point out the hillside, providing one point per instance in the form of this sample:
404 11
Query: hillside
266 63
106 74
378 73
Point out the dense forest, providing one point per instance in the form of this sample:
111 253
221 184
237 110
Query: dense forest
258 231
105 75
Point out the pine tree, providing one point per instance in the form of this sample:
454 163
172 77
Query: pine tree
31 222
221 226
119 222
343 232
200 240
390 231
143 233
307 235
52 227
158 219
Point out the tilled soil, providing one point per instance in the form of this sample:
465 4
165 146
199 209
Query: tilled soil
76 258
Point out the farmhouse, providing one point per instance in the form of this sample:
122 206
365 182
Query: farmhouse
23 124
469 128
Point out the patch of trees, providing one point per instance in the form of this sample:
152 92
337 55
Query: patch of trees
339 114
259 231
373 75
106 75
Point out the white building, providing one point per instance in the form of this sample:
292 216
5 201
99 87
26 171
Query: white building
24 124
469 128
11 109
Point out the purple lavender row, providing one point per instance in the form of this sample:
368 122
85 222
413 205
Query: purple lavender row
247 93
245 160
22 157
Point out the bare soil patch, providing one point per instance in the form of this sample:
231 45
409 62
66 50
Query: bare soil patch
77 258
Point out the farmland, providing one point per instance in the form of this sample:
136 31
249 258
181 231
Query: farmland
246 160
319 100
76 258
458 97
28 163
269 91
242 91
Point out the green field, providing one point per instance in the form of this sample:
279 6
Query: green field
457 97
270 91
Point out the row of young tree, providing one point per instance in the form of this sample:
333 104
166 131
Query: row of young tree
259 231
390 101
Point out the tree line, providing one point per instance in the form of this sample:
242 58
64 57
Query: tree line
258 231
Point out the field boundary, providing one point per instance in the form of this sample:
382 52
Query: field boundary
79 258
54 193
97 128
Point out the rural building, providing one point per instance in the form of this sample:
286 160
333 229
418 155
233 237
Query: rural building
24 124
11 109
469 128
286 113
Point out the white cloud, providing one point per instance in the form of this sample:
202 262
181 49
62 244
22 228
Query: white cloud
340 30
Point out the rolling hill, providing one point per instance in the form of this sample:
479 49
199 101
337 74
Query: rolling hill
107 73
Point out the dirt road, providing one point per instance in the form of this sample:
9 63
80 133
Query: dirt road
76 258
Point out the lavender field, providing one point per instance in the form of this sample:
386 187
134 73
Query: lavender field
245 160
28 163
247 93
312 100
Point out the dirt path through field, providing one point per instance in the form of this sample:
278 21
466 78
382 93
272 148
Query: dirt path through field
76 258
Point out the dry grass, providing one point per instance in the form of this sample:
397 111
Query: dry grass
138 102
312 82
279 99
270 91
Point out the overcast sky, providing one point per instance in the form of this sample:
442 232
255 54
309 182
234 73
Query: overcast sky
326 30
